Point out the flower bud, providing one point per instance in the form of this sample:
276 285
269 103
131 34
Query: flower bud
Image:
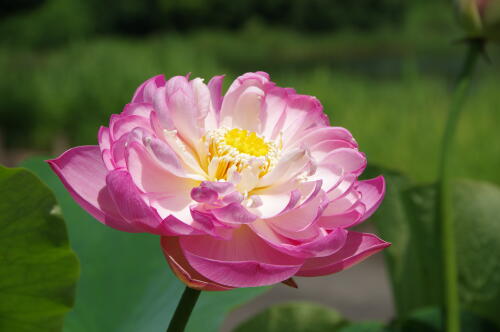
480 18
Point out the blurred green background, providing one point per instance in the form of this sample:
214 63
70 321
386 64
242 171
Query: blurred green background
382 68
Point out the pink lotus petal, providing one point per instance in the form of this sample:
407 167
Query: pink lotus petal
162 111
247 109
183 110
172 226
372 193
234 213
316 135
118 152
342 204
244 261
166 157
185 272
320 150
131 205
138 109
358 247
275 200
229 114
305 235
83 173
208 224
202 100
145 91
123 125
302 113
308 191
204 195
291 164
343 187
107 158
151 176
323 244
222 187
349 160
330 175
215 87
274 106
299 219
344 219
104 138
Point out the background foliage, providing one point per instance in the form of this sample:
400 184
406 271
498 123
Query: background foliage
38 270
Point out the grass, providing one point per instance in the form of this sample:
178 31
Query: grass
391 93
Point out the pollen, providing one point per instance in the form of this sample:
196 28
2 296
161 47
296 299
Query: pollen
246 142
231 151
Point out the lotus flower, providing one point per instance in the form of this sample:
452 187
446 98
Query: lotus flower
246 189
480 18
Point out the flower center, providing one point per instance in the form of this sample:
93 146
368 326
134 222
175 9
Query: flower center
234 150
246 142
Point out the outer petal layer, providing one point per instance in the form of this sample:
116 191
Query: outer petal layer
83 173
244 261
358 247
185 272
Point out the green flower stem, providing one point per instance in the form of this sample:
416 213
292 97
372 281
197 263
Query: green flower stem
184 310
444 221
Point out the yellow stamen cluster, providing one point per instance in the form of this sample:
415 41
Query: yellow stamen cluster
233 150
246 142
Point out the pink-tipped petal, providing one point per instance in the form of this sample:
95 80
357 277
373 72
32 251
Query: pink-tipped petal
104 138
234 213
215 87
107 158
343 203
330 175
83 173
146 90
302 113
181 268
248 108
343 187
139 109
172 226
221 187
204 194
183 110
322 149
299 219
319 134
274 107
275 200
166 157
324 244
122 125
244 96
202 100
130 203
350 160
358 247
290 165
151 177
372 193
244 261
345 219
